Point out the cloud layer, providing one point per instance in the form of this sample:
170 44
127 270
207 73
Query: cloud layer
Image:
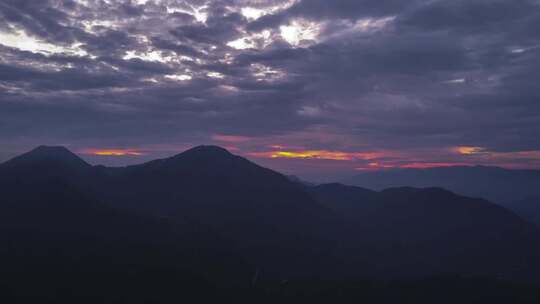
407 81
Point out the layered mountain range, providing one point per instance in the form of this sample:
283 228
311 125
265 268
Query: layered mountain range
216 220
515 189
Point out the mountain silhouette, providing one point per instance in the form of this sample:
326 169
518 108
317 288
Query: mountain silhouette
498 185
268 220
230 211
56 238
273 222
43 164
492 183
56 155
528 208
434 230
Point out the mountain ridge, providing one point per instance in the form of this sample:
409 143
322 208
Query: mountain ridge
57 154
275 224
493 183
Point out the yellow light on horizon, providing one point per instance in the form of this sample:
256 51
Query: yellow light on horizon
469 150
113 152
320 154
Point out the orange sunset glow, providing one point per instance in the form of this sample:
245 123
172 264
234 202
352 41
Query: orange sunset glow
320 154
113 152
469 150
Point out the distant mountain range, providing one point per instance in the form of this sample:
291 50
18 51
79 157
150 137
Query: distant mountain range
499 185
433 228
215 220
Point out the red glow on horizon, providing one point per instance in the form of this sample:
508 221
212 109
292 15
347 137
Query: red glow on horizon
277 147
431 165
232 149
374 166
280 155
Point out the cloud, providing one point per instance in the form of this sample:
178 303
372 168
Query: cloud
477 15
347 76
230 138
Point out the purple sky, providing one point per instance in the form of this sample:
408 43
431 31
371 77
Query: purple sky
317 88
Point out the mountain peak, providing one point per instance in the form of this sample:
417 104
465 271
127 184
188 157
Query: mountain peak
51 150
206 152
209 149
57 154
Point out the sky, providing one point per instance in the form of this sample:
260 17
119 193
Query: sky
315 88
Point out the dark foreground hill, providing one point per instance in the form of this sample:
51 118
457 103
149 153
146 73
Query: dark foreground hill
270 222
59 245
207 224
273 223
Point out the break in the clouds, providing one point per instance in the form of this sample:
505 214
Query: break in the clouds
313 86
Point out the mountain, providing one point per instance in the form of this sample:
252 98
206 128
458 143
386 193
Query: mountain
498 185
491 183
274 222
267 220
296 179
60 243
226 210
435 231
349 201
44 163
528 208
60 156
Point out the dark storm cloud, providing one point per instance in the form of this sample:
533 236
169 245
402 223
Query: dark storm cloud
108 41
332 75
180 49
470 15
63 80
40 18
343 9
